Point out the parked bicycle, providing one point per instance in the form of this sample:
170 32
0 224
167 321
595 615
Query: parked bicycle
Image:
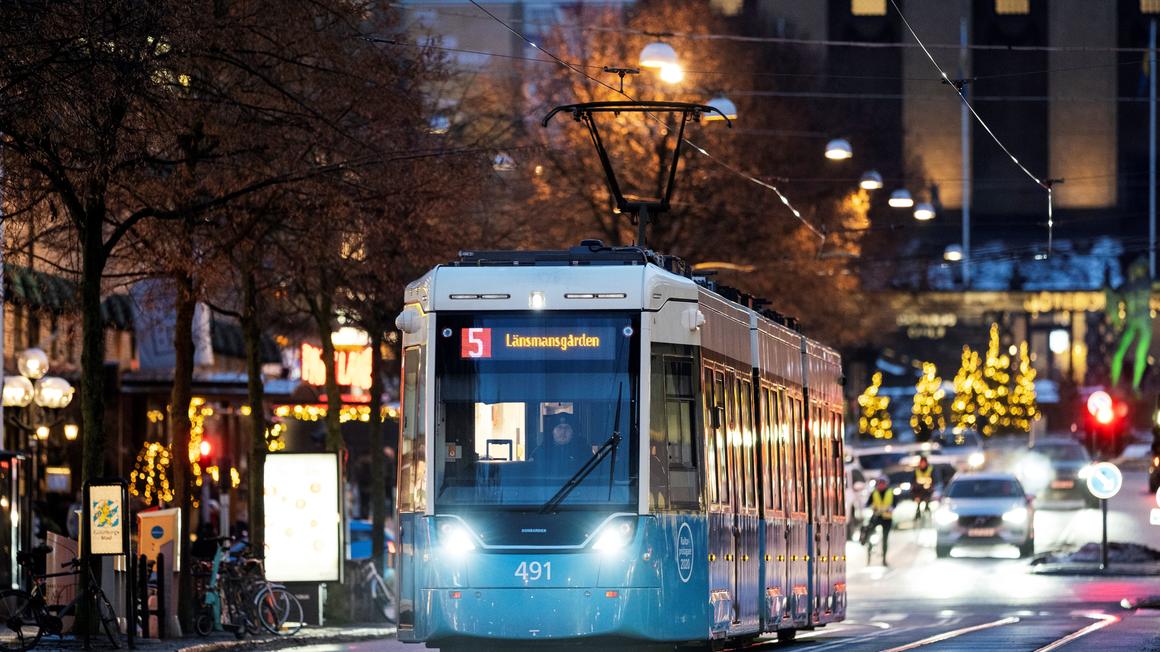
237 597
28 616
379 593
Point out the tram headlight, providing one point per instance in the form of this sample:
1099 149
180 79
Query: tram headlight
455 538
614 536
976 460
945 517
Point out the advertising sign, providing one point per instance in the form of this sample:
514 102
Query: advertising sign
106 532
156 532
303 524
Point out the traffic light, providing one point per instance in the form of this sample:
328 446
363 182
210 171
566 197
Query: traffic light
205 453
1105 425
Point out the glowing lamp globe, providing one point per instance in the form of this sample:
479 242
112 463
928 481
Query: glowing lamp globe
53 392
924 212
18 391
32 363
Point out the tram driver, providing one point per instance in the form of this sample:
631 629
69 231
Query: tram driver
563 452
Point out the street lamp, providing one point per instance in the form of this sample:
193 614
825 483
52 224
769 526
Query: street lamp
34 400
839 149
662 57
924 211
901 199
953 253
725 106
871 180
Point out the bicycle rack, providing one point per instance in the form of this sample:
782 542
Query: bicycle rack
144 569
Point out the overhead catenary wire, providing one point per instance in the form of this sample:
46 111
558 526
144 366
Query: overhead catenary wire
781 195
958 86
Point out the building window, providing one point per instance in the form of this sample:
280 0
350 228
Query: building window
1150 6
1014 7
868 7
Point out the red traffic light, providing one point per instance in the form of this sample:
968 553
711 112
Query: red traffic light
1100 406
205 449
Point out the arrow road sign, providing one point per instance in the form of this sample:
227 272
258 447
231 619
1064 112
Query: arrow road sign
1105 480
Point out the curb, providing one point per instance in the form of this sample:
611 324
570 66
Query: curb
281 642
1114 570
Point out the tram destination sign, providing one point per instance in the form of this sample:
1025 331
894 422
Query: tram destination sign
538 343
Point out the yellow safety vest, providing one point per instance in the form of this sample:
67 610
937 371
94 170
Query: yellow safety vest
923 477
882 504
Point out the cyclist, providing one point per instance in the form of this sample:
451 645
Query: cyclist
881 504
923 487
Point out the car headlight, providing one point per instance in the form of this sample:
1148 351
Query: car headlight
905 486
614 535
455 539
1017 516
976 460
945 516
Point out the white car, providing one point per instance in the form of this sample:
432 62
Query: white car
985 509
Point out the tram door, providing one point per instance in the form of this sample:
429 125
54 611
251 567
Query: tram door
736 493
819 490
722 577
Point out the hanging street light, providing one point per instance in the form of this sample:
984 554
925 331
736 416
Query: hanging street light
953 253
871 180
672 74
839 149
658 54
901 199
724 105
923 212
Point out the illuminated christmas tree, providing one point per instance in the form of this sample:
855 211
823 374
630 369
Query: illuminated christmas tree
1023 407
995 395
968 383
875 420
926 413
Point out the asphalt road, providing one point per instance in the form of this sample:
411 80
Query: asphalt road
986 601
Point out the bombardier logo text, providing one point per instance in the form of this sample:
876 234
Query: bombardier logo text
561 342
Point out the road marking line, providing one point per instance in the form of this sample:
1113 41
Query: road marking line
1104 621
937 638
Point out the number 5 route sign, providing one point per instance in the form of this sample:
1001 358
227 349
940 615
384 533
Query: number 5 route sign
1105 480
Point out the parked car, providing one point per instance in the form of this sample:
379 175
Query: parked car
985 509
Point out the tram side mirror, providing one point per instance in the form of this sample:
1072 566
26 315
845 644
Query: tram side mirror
717 417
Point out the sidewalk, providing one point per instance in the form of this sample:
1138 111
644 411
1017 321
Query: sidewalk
227 641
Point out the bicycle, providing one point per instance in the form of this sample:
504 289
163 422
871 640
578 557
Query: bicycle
28 616
368 581
238 590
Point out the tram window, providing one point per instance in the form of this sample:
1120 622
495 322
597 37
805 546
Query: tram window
709 407
800 452
720 436
748 443
673 479
412 443
768 461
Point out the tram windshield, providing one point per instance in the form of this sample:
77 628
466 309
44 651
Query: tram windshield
525 400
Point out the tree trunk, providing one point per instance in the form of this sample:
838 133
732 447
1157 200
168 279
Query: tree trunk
179 417
256 476
322 317
92 351
378 457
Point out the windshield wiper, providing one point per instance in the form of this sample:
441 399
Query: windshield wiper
608 447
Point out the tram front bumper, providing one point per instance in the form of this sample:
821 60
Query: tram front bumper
543 614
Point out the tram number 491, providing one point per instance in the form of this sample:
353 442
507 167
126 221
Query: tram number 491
534 571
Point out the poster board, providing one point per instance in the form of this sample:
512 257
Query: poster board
157 528
303 517
106 531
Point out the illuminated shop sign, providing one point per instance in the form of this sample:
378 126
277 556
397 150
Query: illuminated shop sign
535 343
352 368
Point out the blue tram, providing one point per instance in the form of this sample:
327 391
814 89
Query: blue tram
594 445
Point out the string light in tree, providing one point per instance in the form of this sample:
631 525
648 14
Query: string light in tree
994 398
1024 406
926 414
149 479
875 420
968 383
